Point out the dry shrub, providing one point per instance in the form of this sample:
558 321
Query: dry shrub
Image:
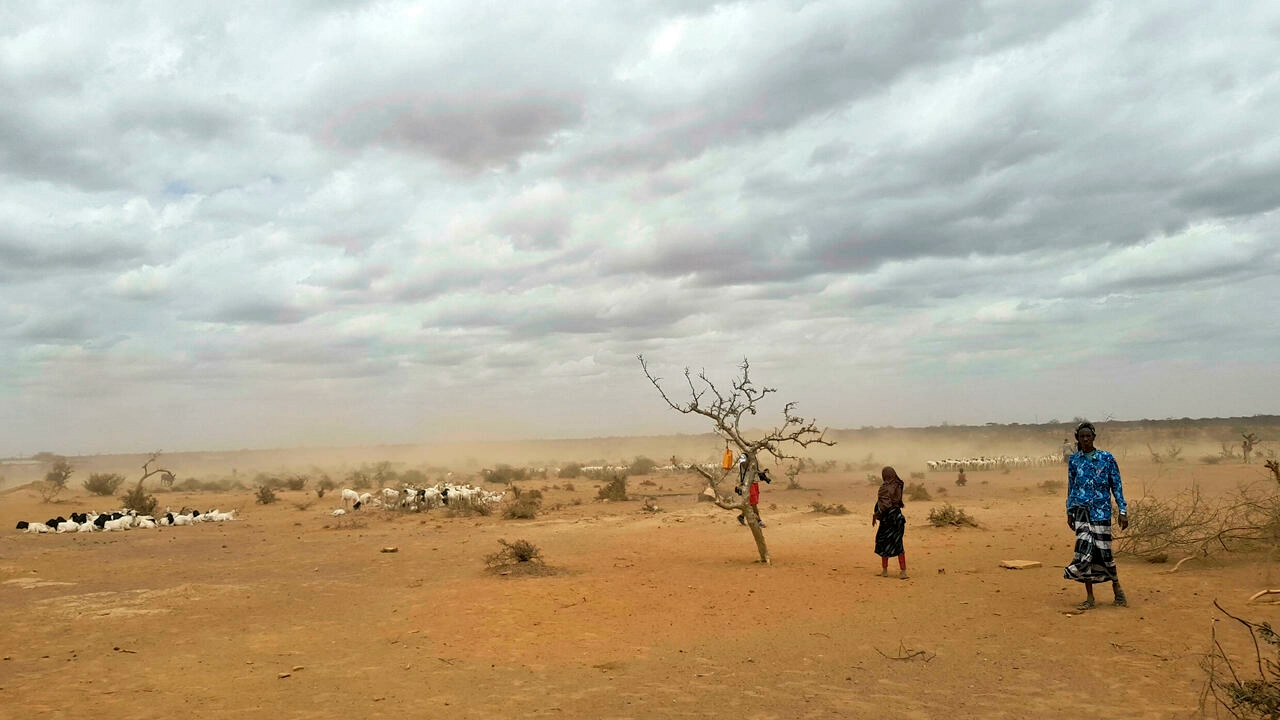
519 556
469 510
1051 487
836 509
615 489
522 508
347 522
568 486
266 495
917 492
941 490
1241 691
949 515
303 505
49 491
1191 524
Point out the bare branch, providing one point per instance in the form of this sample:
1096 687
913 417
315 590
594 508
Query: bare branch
147 471
726 409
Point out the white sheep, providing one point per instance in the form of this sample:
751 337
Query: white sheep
31 527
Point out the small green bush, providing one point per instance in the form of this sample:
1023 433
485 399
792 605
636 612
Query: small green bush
505 474
324 485
138 500
614 489
525 508
104 483
514 553
917 492
950 515
642 466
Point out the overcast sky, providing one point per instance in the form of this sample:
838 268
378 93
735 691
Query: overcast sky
339 223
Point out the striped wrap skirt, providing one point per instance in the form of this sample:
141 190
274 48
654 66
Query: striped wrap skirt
1092 561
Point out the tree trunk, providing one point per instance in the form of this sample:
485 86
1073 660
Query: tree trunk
742 506
753 522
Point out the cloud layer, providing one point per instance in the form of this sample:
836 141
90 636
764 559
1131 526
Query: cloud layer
340 222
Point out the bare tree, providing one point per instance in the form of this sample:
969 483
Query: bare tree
726 409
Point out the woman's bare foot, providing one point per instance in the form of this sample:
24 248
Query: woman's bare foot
884 572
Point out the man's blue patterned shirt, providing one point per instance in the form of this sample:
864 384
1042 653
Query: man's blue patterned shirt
1091 481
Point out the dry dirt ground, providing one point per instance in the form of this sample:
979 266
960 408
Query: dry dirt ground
652 615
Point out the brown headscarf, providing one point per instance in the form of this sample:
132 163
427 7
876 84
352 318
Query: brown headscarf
890 495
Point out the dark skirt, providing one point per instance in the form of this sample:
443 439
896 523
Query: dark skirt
889 537
1092 561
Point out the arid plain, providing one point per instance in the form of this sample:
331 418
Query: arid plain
290 612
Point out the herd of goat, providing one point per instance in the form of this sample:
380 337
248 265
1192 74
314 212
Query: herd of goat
121 520
998 462
415 499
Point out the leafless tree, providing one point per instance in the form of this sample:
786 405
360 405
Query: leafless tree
726 408
166 476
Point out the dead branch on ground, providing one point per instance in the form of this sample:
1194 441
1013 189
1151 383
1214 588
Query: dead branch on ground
906 654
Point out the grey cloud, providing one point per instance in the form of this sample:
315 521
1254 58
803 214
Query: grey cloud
181 119
581 314
257 311
841 57
830 152
54 253
57 327
358 278
471 132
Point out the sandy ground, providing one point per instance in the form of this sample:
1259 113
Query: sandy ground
652 615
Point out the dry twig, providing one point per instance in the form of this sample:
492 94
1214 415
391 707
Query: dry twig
905 654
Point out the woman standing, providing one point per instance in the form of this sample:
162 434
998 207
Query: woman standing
1092 479
888 512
